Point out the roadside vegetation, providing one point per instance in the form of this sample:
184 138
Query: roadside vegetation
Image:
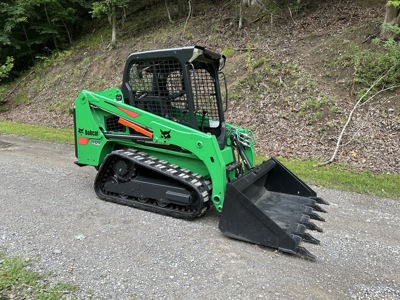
17 281
36 132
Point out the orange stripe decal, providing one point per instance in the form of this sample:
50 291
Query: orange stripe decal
83 141
135 127
129 112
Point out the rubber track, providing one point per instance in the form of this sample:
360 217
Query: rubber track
192 181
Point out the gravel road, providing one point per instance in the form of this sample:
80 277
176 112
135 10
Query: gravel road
50 213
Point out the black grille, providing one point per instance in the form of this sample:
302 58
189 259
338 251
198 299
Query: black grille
113 125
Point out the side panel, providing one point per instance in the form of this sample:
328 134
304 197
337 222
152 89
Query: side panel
90 143
91 108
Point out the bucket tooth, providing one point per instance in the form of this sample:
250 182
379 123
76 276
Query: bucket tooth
309 211
306 237
304 253
316 216
319 200
305 220
312 226
319 208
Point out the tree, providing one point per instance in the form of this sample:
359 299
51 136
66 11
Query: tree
33 28
109 8
15 36
391 24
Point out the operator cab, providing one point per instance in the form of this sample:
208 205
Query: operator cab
178 84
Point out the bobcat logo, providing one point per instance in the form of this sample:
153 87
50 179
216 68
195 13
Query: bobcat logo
80 130
165 134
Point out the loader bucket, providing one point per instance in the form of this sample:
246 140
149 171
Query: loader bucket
270 206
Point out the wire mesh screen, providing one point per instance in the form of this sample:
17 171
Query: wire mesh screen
158 87
204 97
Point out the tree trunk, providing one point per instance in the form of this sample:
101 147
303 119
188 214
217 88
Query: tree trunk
169 15
28 43
392 17
51 26
240 26
182 8
67 30
113 25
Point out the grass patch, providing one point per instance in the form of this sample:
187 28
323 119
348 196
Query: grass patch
17 282
56 135
341 177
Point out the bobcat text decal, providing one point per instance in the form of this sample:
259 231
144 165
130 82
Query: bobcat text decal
88 132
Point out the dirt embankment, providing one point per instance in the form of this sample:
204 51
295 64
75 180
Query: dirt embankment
282 79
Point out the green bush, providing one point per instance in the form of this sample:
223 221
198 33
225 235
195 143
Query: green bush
6 68
369 66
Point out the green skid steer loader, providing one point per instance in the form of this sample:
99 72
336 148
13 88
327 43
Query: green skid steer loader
161 144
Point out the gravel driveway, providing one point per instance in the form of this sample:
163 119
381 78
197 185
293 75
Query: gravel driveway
49 212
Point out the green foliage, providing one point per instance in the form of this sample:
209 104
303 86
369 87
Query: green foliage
312 108
21 98
64 106
37 27
16 282
188 34
107 7
365 63
260 62
335 109
391 25
312 105
395 29
100 9
85 61
6 68
228 52
395 3
371 65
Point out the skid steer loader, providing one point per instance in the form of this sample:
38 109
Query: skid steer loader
161 144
